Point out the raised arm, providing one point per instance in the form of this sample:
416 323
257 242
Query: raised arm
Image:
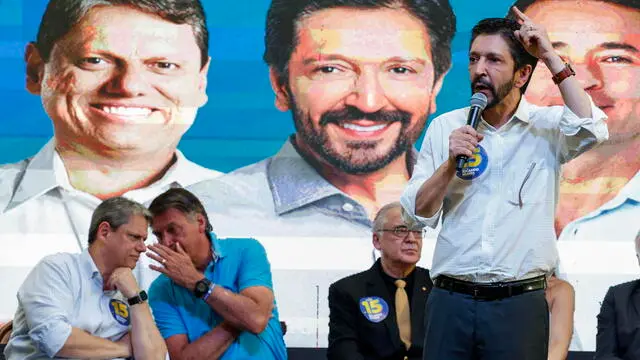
146 341
434 171
535 40
583 124
47 300
211 345
251 308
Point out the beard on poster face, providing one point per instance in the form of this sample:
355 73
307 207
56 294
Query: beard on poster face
361 156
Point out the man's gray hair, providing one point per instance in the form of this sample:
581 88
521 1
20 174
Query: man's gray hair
381 217
116 212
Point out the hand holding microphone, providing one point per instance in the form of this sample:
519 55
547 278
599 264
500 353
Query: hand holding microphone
464 140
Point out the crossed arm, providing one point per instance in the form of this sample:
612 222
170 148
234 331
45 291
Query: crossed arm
250 310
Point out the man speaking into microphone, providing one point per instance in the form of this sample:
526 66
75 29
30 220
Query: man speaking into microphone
497 242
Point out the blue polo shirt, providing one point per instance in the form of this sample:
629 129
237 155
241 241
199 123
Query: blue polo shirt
238 263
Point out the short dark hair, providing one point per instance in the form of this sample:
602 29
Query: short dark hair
62 15
505 28
116 211
182 200
281 33
524 4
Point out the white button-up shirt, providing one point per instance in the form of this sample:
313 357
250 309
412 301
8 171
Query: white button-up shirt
42 214
498 214
64 291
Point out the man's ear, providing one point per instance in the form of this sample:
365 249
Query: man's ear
104 229
203 98
35 69
376 241
282 102
522 75
437 86
202 223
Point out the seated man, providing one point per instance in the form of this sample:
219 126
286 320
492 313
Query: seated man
561 301
214 298
618 335
379 313
89 305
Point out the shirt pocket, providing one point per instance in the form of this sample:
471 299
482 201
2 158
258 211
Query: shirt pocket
528 184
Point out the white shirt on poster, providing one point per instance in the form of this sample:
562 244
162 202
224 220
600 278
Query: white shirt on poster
41 214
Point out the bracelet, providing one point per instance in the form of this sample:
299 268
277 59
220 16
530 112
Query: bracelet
206 296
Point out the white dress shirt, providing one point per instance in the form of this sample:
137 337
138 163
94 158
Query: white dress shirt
41 214
598 251
64 291
498 222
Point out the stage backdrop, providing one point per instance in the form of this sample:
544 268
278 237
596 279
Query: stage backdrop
240 126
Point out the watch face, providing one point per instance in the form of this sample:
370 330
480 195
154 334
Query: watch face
202 287
143 295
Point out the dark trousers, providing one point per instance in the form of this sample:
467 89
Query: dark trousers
458 327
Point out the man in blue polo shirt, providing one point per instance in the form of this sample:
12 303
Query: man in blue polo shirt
214 298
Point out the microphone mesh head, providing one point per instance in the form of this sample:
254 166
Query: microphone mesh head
479 99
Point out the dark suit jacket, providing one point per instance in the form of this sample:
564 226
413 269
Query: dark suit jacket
619 323
352 336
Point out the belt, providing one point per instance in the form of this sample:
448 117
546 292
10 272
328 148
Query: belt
490 291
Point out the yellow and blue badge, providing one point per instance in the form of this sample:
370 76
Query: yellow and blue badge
374 308
120 312
475 165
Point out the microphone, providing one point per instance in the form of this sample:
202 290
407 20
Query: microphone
478 103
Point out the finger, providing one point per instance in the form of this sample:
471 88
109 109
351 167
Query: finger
160 250
480 137
469 139
158 269
519 14
179 248
464 151
155 257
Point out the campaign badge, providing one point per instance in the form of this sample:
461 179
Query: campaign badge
475 165
120 312
374 308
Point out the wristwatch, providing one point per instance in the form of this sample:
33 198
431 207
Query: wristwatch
201 288
563 74
142 296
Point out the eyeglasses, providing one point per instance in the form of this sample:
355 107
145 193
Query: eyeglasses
402 231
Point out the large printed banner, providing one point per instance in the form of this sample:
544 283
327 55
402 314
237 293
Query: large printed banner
279 149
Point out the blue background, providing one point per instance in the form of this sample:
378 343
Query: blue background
240 124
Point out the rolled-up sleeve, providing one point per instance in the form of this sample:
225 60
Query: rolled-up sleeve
47 300
580 134
429 159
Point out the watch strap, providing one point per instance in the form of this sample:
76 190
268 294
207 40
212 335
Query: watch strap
563 74
141 297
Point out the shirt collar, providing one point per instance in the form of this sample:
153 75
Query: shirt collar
217 250
216 247
523 110
631 191
295 183
89 267
45 172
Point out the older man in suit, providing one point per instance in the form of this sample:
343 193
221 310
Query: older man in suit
378 313
618 332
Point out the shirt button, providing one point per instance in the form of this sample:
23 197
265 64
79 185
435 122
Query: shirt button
347 207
